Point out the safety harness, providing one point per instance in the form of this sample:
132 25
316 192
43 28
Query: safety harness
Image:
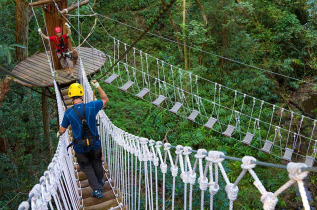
62 47
87 138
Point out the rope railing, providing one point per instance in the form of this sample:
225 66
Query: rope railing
142 170
58 187
247 112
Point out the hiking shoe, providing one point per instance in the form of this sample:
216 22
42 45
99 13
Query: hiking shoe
97 194
102 182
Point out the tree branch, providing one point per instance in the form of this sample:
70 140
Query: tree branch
39 3
74 6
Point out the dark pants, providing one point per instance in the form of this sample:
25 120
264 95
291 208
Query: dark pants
91 165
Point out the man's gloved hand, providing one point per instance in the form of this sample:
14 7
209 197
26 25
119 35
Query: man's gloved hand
67 25
95 83
58 134
40 31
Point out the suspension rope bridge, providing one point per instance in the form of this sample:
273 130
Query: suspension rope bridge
135 164
140 172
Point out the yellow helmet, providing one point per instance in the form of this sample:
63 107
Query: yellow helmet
75 89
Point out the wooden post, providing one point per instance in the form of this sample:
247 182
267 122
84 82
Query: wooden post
46 120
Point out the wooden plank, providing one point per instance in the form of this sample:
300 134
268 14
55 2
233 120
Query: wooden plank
95 64
94 54
60 70
40 75
29 78
36 70
26 69
38 78
48 71
90 59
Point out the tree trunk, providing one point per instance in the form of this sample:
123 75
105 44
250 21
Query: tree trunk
46 120
54 19
184 31
223 46
22 29
174 27
4 88
4 145
204 16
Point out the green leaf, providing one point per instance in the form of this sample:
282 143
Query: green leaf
18 45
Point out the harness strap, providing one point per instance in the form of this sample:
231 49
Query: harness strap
61 41
80 117
87 138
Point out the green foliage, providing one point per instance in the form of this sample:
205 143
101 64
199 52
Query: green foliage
25 158
6 51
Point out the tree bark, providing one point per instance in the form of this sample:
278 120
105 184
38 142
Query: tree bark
203 14
4 88
4 145
54 19
46 120
174 27
22 29
74 6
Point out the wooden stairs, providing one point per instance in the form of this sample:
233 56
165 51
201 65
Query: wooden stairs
90 203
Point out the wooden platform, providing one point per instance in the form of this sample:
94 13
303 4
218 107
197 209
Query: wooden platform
36 68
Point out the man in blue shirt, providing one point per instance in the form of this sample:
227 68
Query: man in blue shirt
87 145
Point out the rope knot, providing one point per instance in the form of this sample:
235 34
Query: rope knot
179 149
269 201
24 205
203 183
167 146
215 157
151 143
201 153
192 177
158 144
295 172
185 177
35 190
143 141
232 191
174 171
155 161
213 188
50 183
46 195
163 167
187 150
247 162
